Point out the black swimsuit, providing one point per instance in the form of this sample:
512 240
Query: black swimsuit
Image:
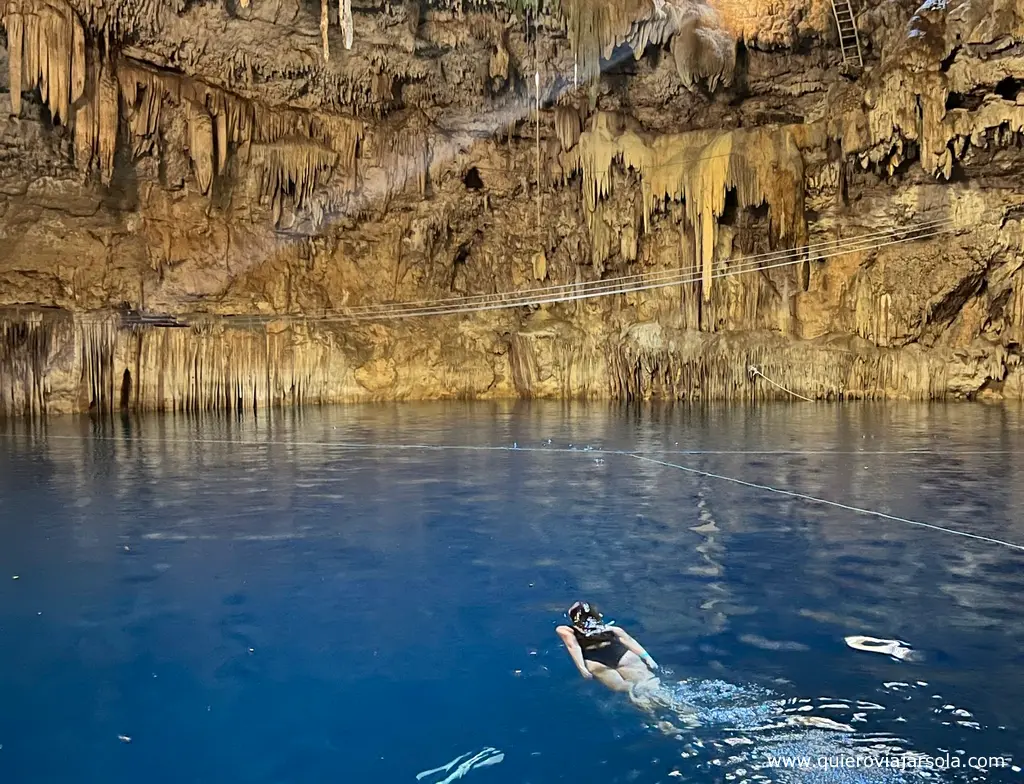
604 648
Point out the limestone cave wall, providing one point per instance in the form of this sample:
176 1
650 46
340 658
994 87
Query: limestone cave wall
231 204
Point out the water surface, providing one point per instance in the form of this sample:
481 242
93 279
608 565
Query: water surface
289 599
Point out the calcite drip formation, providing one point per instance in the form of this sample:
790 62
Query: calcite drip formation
309 159
91 93
90 88
762 166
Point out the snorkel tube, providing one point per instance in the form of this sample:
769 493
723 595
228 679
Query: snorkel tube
588 620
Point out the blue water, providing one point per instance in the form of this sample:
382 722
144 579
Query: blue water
212 600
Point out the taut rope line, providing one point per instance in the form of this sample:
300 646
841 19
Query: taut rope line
573 292
754 373
353 446
836 504
586 450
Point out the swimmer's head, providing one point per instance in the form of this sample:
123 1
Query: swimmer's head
586 618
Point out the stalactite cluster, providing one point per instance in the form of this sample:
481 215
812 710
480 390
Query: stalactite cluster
105 367
596 28
294 170
46 45
717 367
29 346
219 121
345 21
673 182
120 19
406 155
40 352
910 101
97 346
92 94
762 165
701 48
232 370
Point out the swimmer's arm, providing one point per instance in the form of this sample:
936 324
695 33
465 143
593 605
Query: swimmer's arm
569 641
634 646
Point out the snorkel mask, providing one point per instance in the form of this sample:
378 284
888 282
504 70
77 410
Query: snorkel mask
587 619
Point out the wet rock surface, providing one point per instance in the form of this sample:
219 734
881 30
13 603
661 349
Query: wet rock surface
260 171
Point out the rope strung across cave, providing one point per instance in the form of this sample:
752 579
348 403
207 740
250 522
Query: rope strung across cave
567 292
576 292
581 291
755 372
847 507
355 446
599 451
847 245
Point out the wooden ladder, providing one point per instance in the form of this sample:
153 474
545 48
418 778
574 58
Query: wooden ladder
849 40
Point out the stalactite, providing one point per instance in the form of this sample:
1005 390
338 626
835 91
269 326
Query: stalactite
1015 309
46 47
200 145
406 156
600 238
294 170
107 117
498 67
14 25
86 118
698 168
78 62
97 340
346 21
325 25
221 140
540 265
141 105
30 52
703 50
568 126
29 344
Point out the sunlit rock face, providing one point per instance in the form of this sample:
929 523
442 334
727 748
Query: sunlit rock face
207 205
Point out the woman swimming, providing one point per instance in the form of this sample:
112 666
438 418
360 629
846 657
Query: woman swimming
606 652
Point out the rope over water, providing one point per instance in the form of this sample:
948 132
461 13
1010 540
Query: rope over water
836 504
353 446
568 292
600 452
754 373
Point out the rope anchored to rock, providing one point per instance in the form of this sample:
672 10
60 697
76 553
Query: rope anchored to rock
754 372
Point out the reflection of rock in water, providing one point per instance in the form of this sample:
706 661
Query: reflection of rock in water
710 551
749 734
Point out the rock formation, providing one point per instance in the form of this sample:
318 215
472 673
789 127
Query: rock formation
232 205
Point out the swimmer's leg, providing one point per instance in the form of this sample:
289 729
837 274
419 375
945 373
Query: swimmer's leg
608 677
644 694
654 697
